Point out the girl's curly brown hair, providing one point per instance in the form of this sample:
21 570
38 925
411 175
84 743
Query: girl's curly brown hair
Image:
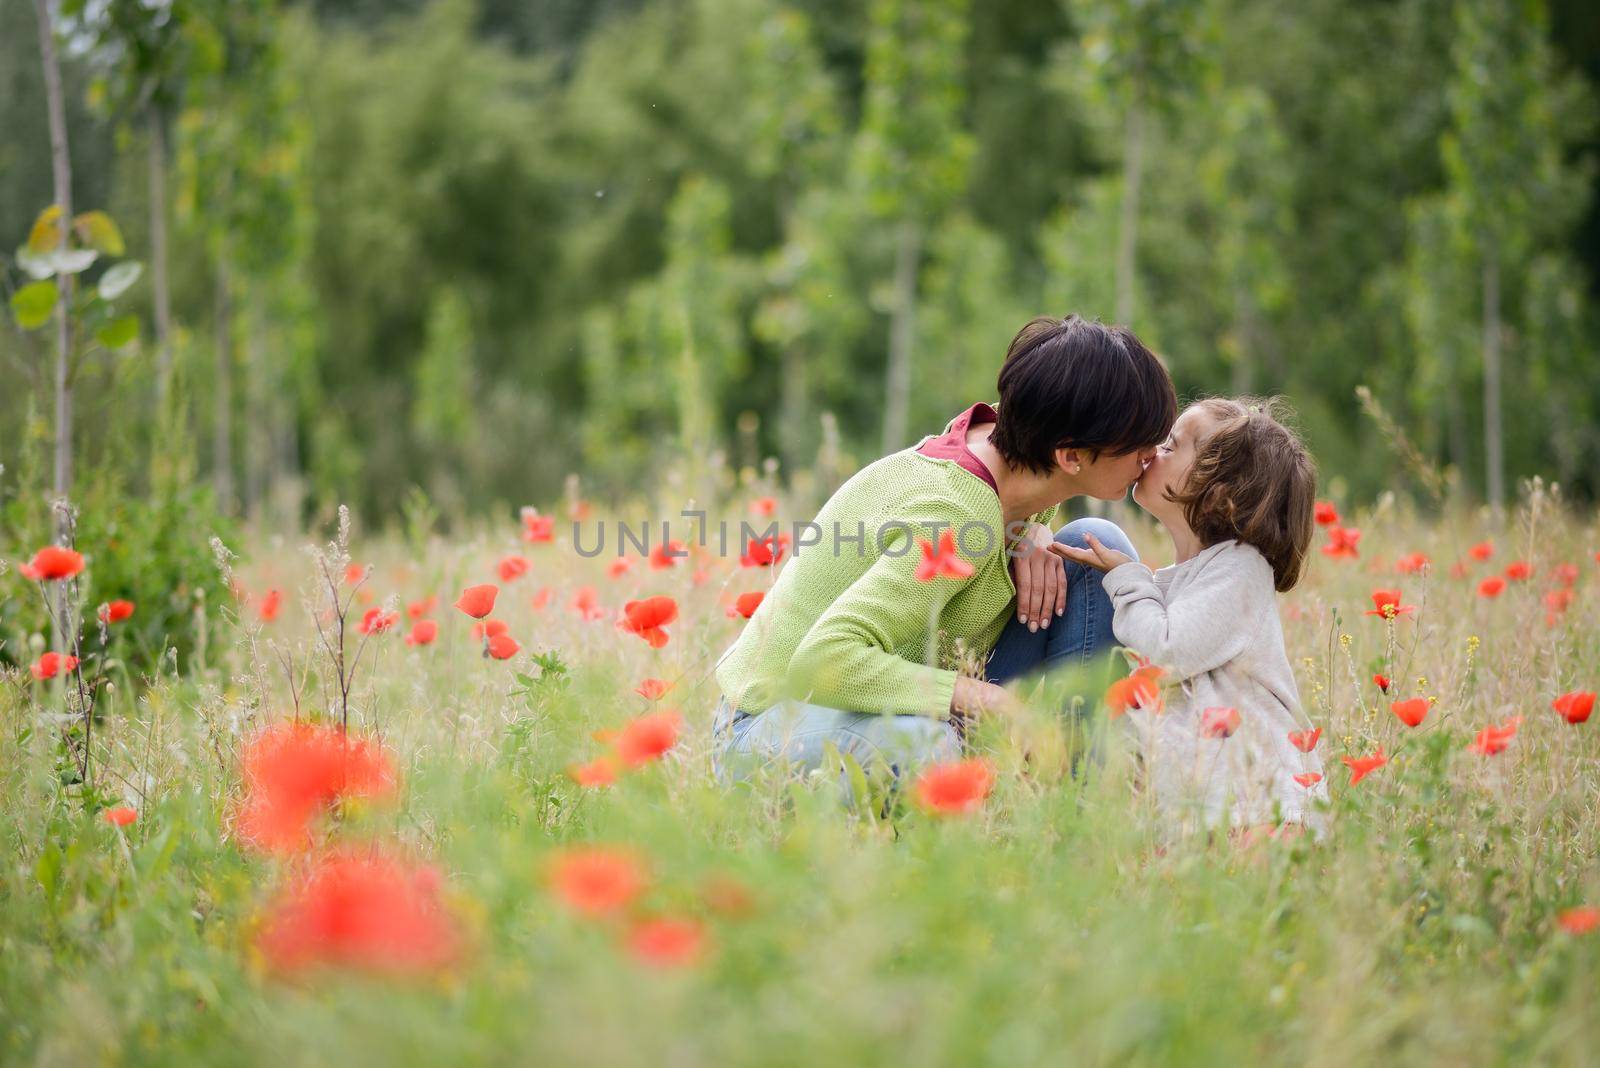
1252 480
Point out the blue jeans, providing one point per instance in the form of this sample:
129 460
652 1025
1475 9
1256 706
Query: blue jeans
797 733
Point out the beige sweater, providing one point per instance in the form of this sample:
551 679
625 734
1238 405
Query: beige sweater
1212 623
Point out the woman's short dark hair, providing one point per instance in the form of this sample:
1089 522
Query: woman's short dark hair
1075 384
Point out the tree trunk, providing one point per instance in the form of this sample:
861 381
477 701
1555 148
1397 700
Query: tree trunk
1128 231
1244 342
793 403
258 413
902 334
222 426
61 170
154 120
1493 432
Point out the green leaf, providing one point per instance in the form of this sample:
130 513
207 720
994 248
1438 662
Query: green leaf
118 332
33 303
96 230
118 278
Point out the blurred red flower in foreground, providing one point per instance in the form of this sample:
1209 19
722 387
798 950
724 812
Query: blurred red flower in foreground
1575 706
651 689
1411 711
1565 575
1342 543
120 816
1491 587
355 573
423 632
115 611
1579 920
52 664
585 602
1219 722
1305 741
376 621
1381 682
478 601
619 567
1481 551
293 771
52 563
1519 571
1494 738
648 737
1326 514
1413 564
746 604
667 554
537 528
667 943
360 910
764 552
1308 779
501 647
1141 690
955 788
646 618
599 772
1361 767
488 628
418 609
941 561
596 880
1386 603
512 567
267 611
764 506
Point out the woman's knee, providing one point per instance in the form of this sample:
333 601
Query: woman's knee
1105 531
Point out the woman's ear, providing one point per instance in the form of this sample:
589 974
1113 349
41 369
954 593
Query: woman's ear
1069 461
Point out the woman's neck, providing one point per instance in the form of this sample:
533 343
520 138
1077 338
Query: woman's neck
1022 493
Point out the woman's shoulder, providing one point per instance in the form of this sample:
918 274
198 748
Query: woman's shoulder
907 481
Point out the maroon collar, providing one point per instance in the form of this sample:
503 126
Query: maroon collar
952 444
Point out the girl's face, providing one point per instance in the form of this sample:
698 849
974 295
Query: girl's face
1170 468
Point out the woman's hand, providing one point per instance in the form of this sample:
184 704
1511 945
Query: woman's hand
1040 577
978 698
1096 555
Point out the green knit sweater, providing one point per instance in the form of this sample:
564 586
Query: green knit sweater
849 628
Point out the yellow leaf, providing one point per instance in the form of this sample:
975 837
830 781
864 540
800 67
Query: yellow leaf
97 231
46 232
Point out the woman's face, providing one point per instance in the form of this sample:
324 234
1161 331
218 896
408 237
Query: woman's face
1173 458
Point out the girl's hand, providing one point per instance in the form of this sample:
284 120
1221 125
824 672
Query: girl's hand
1041 579
1096 555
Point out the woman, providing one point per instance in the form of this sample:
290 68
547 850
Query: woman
840 650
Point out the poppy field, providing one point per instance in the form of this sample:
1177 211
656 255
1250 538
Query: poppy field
453 801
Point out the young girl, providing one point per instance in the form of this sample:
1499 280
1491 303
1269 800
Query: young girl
1235 489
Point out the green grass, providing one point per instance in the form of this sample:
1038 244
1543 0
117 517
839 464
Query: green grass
1052 927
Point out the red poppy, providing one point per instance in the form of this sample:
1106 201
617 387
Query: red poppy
1361 767
376 621
355 573
1141 690
1556 603
1326 514
596 880
648 617
619 567
478 601
270 604
941 561
667 943
1458 569
1481 551
764 552
746 604
1574 707
1342 542
52 664
1411 712
585 603
764 506
1565 575
423 632
120 816
1492 586
1494 738
510 568
600 772
52 563
1519 571
540 599
1381 682
648 737
1308 779
1305 741
501 647
537 528
1386 603
954 788
1579 920
1413 564
667 554
361 910
652 689
1219 722
115 611
418 609
294 771
488 628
